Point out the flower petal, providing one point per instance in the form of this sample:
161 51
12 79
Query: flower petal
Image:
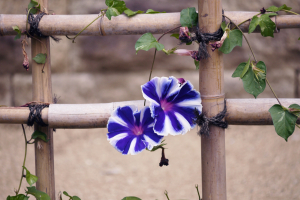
123 116
151 139
146 120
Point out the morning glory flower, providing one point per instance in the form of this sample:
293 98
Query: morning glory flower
131 131
172 105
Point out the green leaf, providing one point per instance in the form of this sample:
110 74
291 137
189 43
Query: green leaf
40 58
30 178
115 8
17 29
176 35
39 195
158 146
34 6
245 70
196 62
295 109
71 197
223 26
267 26
146 42
131 13
65 193
276 9
283 120
252 83
39 134
235 39
299 38
131 198
150 11
170 51
18 197
189 17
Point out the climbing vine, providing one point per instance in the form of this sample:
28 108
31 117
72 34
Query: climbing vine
173 109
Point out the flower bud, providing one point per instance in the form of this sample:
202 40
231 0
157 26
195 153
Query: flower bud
218 44
184 33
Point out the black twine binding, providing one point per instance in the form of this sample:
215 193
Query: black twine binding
34 26
203 39
204 121
35 114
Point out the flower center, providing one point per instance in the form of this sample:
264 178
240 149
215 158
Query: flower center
137 130
166 106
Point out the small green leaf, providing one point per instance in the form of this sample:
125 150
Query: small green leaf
246 68
40 58
170 51
18 197
283 120
33 7
30 178
252 84
196 62
295 109
65 193
131 198
189 17
39 195
32 4
223 26
299 38
17 29
175 35
115 8
276 9
235 39
150 11
39 134
146 42
267 26
131 13
75 198
158 146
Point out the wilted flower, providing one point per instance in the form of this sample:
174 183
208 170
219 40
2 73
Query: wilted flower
185 52
181 81
184 34
218 44
173 106
130 131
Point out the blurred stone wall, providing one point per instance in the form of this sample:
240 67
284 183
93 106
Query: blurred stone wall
115 54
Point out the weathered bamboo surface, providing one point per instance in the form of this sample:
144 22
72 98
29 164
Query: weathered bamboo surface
211 87
239 112
42 91
123 25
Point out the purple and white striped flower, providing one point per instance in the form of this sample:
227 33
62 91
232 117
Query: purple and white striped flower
131 131
172 105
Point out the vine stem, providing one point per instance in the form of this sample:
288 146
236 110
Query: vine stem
155 53
290 12
237 26
254 58
244 37
297 125
273 91
196 186
17 192
73 39
166 193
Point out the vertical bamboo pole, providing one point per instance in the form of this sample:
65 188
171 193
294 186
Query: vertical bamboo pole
211 85
42 91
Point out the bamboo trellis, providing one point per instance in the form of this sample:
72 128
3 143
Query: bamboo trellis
211 84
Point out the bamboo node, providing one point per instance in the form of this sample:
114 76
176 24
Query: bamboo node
204 121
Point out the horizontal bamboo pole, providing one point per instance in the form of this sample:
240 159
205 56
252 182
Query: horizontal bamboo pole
239 112
123 25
